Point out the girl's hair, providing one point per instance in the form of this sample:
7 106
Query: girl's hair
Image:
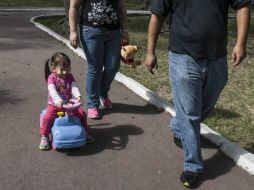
54 61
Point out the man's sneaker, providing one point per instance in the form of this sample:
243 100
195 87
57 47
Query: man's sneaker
106 103
44 144
93 113
178 142
189 179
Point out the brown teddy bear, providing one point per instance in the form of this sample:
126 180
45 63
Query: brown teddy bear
127 54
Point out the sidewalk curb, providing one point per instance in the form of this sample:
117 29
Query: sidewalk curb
241 157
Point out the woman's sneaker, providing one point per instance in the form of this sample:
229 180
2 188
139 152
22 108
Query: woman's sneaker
93 113
189 179
44 144
106 103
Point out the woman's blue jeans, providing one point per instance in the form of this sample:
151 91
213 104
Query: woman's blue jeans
102 50
196 86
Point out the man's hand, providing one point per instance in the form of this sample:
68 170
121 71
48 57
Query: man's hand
238 54
73 39
151 62
243 21
153 35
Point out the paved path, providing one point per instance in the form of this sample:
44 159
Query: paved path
134 148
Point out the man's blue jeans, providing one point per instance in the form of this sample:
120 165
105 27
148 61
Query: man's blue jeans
196 86
102 49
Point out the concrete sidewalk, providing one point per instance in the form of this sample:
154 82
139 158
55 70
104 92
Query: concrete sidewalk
134 147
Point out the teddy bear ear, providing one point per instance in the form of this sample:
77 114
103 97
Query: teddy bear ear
124 49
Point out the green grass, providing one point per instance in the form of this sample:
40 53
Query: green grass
233 116
133 4
53 23
31 3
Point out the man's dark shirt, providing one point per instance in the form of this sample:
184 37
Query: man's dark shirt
199 27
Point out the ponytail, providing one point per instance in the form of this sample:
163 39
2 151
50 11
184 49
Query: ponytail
47 69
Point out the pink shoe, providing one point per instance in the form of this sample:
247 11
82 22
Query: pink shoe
106 103
93 113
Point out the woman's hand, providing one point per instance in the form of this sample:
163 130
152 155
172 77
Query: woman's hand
125 38
73 20
122 14
74 39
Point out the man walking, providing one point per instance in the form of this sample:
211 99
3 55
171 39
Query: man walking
198 65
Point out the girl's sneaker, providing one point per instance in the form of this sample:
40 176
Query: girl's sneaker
93 113
106 103
44 144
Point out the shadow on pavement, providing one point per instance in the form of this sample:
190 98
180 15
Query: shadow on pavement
113 138
216 166
207 144
128 108
6 97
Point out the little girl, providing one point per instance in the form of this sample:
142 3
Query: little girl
61 88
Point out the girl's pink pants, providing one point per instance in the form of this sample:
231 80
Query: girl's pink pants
51 114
